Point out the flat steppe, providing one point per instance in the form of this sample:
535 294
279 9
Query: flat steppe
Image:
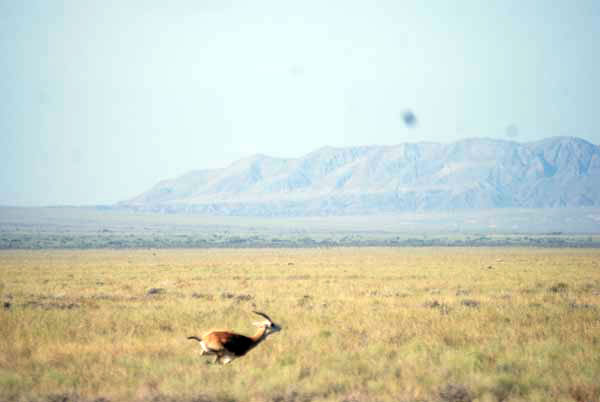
359 324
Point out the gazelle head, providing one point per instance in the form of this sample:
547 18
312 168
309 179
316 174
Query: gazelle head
268 324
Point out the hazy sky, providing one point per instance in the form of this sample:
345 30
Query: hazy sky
102 99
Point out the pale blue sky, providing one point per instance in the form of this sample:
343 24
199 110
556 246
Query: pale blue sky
102 99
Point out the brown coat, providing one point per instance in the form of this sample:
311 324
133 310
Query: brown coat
233 343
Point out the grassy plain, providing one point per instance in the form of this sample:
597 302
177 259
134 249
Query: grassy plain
359 324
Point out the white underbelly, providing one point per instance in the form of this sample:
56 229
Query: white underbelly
205 349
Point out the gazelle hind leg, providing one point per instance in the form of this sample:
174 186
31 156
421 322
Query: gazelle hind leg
205 349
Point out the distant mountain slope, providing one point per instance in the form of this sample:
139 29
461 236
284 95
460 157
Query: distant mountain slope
468 174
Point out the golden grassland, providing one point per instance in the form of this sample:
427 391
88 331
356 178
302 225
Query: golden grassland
359 324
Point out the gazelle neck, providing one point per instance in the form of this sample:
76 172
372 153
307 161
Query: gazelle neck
260 335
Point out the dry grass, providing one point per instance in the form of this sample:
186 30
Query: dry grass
359 324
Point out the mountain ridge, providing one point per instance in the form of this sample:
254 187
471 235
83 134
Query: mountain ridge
473 173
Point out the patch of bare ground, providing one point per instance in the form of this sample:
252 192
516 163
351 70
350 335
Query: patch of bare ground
443 308
70 397
61 397
50 305
455 393
585 393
